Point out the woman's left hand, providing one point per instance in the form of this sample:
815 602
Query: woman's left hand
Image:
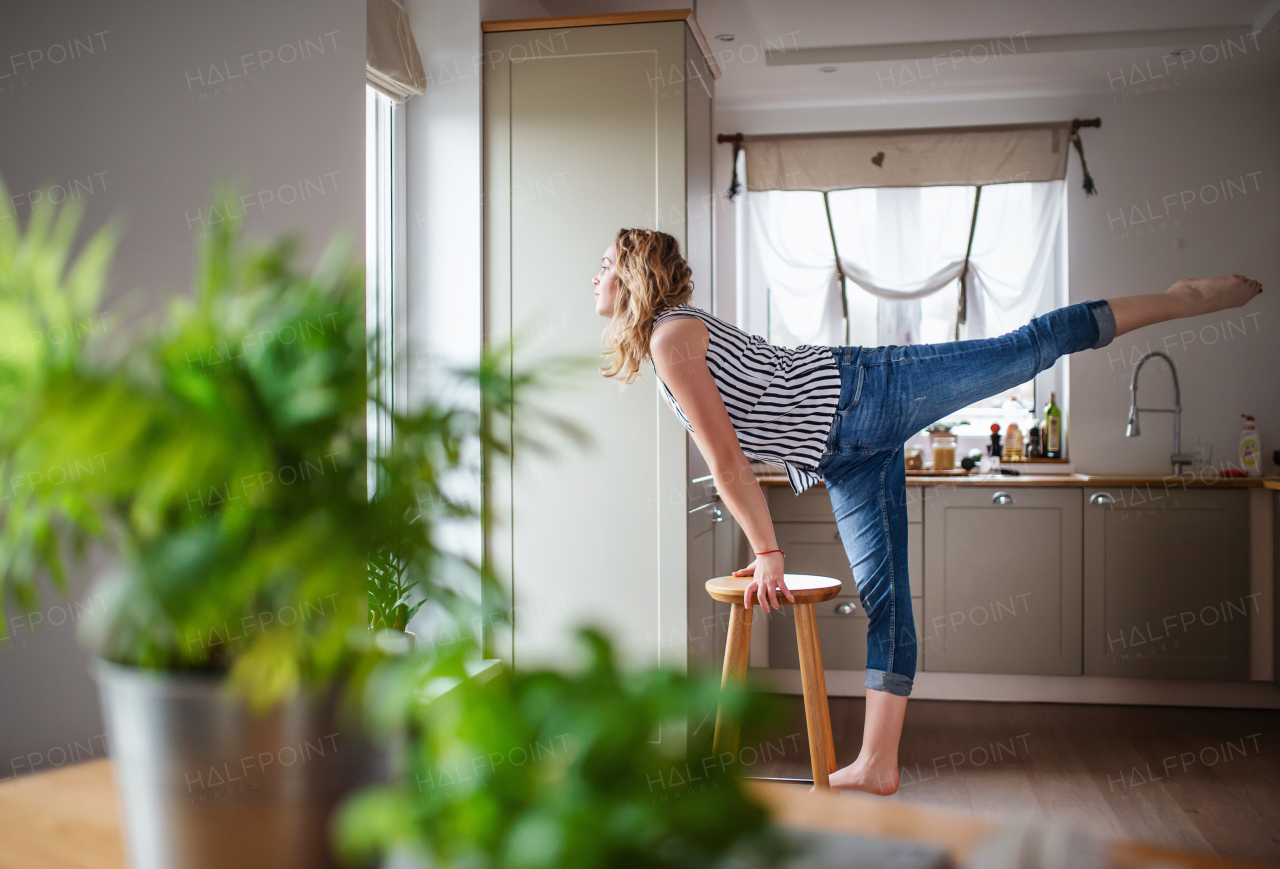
768 579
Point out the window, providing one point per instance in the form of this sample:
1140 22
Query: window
902 250
384 264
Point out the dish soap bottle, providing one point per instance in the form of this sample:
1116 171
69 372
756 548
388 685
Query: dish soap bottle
1013 443
1051 433
1250 450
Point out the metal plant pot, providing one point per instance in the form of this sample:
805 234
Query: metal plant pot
205 783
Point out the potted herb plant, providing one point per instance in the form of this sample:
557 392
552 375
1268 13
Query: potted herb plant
391 604
541 768
942 429
231 485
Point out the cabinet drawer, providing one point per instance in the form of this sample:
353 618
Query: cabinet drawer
814 504
843 637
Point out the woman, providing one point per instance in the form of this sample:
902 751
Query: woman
841 415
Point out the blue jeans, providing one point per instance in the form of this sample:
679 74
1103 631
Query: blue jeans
888 394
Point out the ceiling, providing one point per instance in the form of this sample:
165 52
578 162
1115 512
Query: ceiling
939 50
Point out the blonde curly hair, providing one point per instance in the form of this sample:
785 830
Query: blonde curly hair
652 277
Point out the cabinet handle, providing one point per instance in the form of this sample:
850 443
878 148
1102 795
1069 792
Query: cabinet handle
1001 498
716 515
846 609
1103 499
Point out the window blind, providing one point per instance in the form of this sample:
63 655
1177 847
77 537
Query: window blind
392 63
945 156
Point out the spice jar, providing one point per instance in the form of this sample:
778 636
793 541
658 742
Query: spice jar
915 457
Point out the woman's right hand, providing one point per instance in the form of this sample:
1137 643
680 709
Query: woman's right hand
768 578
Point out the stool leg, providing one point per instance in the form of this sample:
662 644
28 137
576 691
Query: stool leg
736 654
817 714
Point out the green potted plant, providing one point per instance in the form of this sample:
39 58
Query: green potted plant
231 484
942 429
542 768
391 592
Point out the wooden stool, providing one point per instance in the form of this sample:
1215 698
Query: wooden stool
807 590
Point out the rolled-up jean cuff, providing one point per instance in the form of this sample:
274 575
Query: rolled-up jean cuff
1106 322
892 683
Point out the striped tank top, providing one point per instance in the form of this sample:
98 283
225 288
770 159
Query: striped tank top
781 400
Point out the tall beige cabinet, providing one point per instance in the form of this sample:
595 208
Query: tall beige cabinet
592 124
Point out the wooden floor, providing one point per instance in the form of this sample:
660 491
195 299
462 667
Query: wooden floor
1204 780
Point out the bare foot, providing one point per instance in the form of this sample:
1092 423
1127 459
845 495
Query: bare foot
1206 295
878 778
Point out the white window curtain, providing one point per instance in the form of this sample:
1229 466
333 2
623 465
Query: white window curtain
902 250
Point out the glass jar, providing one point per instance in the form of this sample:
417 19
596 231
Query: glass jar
944 453
915 457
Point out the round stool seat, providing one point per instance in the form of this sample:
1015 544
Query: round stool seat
805 587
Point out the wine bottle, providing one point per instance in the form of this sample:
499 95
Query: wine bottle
1051 433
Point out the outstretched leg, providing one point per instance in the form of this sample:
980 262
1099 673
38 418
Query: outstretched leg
908 388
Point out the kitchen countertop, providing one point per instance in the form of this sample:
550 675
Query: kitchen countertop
1101 481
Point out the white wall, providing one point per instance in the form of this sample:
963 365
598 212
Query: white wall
1148 147
445 181
1160 149
443 189
146 128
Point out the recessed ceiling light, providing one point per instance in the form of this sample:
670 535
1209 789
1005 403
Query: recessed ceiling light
726 37
828 68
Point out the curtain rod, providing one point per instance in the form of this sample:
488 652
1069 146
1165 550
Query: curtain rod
740 138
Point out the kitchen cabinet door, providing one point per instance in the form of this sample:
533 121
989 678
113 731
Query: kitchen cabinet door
1002 580
1166 578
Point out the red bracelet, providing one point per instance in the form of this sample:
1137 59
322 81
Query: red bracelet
767 551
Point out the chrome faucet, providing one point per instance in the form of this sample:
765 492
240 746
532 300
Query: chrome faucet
1132 431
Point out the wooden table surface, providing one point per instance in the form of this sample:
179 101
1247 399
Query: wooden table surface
67 819
61 819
